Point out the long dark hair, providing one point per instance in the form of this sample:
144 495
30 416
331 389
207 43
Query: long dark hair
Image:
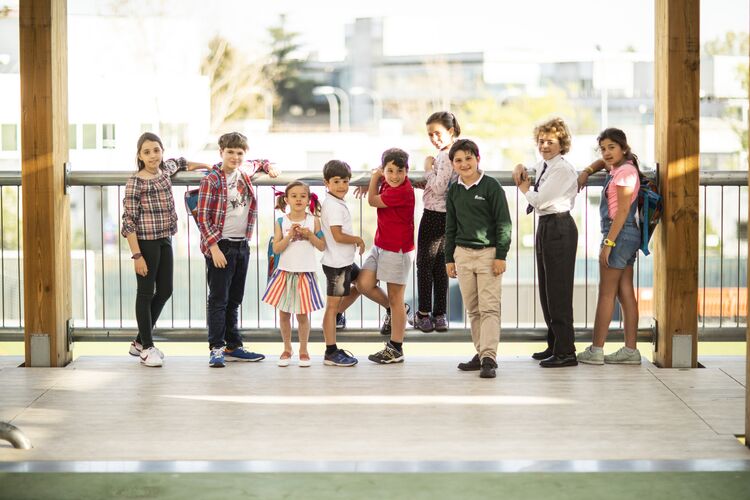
618 136
447 120
146 136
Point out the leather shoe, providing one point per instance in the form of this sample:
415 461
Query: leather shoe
489 366
543 354
559 361
472 365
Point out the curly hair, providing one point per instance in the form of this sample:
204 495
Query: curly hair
557 127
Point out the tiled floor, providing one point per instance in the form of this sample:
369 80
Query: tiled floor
111 408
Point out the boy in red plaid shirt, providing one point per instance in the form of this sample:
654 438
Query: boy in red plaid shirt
226 214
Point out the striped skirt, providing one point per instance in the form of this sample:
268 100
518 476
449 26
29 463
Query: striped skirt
295 293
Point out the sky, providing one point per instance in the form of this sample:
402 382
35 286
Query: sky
503 28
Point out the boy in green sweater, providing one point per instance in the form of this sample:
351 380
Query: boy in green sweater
478 229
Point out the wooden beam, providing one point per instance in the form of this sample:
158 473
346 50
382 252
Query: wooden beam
747 339
46 207
677 65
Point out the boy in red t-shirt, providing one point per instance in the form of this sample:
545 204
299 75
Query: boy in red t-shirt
391 257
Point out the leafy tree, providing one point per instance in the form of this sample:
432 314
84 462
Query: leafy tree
284 69
237 83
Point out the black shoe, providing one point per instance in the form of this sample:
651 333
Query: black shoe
559 361
385 329
470 366
542 354
488 368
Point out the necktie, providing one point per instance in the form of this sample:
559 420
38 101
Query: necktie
529 208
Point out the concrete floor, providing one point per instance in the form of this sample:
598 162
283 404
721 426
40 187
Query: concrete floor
111 408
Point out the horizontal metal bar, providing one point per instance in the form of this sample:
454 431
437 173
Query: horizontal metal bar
707 178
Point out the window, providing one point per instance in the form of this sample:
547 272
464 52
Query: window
89 135
9 141
108 136
72 136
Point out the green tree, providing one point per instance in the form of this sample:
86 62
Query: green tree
734 44
237 83
284 69
512 121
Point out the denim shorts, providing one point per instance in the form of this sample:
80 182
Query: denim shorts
339 279
626 246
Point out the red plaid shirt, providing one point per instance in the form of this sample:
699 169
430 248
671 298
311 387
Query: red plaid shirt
212 203
148 205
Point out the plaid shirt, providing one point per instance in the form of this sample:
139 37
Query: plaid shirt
148 205
212 203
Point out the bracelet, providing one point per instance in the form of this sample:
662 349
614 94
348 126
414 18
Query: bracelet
588 170
609 243
136 256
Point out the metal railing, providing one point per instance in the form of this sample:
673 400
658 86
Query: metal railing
103 282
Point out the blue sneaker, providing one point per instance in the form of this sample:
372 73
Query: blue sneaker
340 358
340 321
242 354
216 360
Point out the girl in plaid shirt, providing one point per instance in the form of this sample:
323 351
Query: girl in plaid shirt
148 222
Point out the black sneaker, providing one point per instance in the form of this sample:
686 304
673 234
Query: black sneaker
470 366
488 368
388 355
386 328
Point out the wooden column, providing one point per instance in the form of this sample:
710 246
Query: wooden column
46 207
677 65
747 340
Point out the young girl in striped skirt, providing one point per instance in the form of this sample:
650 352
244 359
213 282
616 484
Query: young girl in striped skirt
293 288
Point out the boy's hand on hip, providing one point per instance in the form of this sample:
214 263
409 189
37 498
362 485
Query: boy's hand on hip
498 267
450 269
218 258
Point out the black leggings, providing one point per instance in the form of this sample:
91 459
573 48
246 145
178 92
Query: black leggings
149 303
431 275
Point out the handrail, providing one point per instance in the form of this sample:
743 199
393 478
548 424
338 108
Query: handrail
119 178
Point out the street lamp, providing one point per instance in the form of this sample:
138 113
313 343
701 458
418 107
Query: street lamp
329 91
377 102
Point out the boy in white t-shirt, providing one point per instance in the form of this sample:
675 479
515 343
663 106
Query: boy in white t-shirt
226 214
338 259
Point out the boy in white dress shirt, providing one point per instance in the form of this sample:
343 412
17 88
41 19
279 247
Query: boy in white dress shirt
552 196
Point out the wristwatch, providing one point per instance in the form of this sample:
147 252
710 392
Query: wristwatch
136 256
609 243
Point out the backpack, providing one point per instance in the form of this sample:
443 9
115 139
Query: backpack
273 257
650 208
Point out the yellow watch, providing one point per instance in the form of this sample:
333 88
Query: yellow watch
609 243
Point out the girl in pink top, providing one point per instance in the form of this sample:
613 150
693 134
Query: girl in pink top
432 281
620 242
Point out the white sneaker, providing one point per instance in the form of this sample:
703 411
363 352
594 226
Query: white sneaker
161 354
135 348
151 357
621 357
590 357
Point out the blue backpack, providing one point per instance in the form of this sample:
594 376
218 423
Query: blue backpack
273 257
650 208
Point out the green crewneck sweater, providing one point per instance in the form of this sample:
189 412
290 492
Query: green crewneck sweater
477 217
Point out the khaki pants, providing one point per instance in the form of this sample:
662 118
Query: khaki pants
480 290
